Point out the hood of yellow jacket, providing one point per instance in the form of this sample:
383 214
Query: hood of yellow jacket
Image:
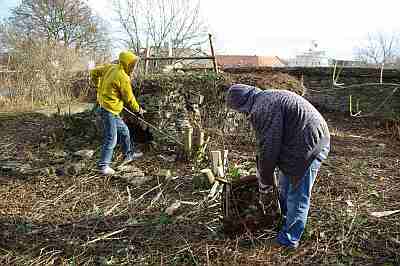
128 61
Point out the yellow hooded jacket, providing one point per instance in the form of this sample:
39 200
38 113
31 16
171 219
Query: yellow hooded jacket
114 85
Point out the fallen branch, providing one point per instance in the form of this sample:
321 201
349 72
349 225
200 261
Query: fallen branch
104 237
148 192
384 213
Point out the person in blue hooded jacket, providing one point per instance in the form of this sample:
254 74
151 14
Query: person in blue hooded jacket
290 135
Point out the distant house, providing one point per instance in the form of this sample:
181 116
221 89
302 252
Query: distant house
166 51
313 57
310 59
271 61
225 61
347 63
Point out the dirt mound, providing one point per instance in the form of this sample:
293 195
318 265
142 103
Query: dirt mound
271 81
157 84
205 83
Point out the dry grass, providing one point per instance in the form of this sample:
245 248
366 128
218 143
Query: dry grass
91 220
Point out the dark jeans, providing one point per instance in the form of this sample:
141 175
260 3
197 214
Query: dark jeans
114 131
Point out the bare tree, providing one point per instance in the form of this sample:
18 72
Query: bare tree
68 22
177 23
380 48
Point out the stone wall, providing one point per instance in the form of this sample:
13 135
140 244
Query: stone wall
320 92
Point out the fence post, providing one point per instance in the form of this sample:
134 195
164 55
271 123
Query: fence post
213 54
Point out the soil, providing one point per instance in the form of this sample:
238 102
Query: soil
87 219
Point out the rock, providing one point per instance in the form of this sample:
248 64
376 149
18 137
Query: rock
381 145
84 154
60 171
243 172
132 174
41 171
169 159
131 170
74 168
60 154
171 210
136 180
15 167
51 171
165 173
253 171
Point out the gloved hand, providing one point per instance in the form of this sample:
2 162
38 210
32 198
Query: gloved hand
264 189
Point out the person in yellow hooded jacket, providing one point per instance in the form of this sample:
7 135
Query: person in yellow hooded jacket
114 91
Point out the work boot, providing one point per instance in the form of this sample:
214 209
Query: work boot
107 170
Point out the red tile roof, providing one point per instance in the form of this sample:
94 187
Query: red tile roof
248 60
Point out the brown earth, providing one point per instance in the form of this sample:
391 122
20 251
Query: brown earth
87 219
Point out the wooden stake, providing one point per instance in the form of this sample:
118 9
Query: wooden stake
188 135
199 140
220 172
225 165
216 160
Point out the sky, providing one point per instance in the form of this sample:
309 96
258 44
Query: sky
286 27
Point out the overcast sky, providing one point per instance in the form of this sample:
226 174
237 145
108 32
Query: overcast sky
287 27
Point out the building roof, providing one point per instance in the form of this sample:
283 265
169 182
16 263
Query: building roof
249 60
272 61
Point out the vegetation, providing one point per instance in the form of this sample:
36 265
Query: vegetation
85 219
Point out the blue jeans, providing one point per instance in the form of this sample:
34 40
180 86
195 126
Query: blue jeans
295 202
114 131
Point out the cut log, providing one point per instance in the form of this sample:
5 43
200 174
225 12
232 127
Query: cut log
188 135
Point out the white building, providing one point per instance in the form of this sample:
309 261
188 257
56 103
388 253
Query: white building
311 58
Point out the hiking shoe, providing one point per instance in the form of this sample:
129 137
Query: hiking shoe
107 170
133 156
273 245
137 155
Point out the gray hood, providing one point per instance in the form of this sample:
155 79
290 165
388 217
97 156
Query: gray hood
242 97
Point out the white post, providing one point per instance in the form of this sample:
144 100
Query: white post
216 161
